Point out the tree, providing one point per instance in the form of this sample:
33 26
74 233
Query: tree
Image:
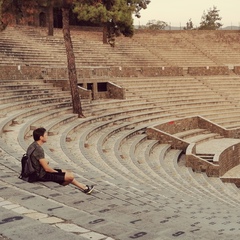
11 9
18 12
210 20
50 19
72 74
1 22
156 25
6 10
49 5
189 25
114 15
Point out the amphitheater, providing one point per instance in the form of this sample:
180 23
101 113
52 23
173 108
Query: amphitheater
160 139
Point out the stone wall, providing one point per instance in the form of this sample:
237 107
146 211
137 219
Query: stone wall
178 125
226 160
84 93
28 72
101 72
161 71
200 165
115 91
229 158
20 72
202 71
213 127
164 137
236 70
236 181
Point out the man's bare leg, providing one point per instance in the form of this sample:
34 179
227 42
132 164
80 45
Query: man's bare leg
69 178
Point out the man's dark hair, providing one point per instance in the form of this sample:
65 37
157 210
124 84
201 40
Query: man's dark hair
37 133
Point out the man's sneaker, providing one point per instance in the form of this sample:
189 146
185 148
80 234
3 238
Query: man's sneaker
89 189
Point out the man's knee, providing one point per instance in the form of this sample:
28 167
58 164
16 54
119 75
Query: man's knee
69 177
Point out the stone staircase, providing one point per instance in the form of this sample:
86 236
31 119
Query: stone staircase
31 46
140 183
143 189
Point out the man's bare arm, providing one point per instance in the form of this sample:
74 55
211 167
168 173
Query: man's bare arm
46 166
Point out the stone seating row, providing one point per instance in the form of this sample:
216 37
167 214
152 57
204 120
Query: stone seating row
83 59
111 162
139 109
110 187
140 160
193 41
32 103
177 54
220 49
201 90
110 148
135 51
159 162
170 166
76 32
185 133
56 208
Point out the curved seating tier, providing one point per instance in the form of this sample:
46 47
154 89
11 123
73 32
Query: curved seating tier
139 182
32 46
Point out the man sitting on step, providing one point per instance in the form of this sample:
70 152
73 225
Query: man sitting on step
44 171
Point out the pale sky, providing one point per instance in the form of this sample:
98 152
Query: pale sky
178 12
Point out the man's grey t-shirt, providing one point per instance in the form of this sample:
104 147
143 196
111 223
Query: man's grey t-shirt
37 154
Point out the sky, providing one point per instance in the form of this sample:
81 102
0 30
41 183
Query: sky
178 12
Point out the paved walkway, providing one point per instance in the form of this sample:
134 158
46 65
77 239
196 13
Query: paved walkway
216 146
233 173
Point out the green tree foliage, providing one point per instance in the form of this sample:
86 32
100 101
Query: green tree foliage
156 25
210 20
114 15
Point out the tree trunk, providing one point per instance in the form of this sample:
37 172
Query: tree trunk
105 32
50 19
72 74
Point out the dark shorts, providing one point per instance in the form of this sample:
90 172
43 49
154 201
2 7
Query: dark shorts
57 177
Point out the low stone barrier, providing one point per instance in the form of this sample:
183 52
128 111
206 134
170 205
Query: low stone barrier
234 180
18 72
229 158
200 165
60 72
164 137
115 91
202 71
84 93
226 160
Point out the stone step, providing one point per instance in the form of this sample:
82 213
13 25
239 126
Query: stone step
9 107
207 157
202 137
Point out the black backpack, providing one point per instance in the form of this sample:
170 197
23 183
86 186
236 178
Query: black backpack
28 172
